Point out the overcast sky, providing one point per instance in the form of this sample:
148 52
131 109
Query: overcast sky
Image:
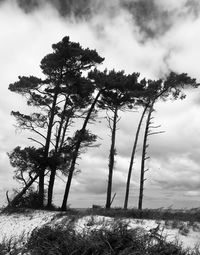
151 37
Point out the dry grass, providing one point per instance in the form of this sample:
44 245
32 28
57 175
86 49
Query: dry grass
118 239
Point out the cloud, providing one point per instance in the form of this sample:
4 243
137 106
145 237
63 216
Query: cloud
153 18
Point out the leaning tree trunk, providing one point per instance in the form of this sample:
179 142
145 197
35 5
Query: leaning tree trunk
144 148
132 159
41 173
23 191
53 170
111 160
75 154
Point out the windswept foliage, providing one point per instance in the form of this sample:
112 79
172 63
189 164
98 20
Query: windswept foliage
58 97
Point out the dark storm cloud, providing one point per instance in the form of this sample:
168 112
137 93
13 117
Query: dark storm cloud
152 17
193 7
155 18
78 8
147 15
29 5
81 9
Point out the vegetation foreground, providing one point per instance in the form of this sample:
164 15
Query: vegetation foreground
86 233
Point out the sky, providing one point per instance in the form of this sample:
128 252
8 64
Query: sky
152 37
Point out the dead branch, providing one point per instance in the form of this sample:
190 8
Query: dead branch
8 199
112 199
155 133
34 140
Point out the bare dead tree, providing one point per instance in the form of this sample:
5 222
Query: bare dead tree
148 132
132 158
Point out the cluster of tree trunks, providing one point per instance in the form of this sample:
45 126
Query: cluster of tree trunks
66 95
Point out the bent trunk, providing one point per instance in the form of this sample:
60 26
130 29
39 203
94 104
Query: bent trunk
145 145
132 159
75 154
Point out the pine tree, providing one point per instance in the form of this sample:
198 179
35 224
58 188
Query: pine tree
120 94
63 85
172 87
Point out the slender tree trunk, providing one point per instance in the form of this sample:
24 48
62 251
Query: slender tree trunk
41 187
46 149
111 160
53 171
65 127
50 187
41 173
145 145
132 160
69 180
75 154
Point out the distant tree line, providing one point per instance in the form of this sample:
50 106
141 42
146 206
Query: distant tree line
75 91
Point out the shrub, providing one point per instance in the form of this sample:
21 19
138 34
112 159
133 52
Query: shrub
118 239
29 200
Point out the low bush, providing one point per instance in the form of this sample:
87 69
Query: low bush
118 239
29 200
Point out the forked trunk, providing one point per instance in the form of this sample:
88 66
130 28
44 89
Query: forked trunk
53 171
46 148
132 160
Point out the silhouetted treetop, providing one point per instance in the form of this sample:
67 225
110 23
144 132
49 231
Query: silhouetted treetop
175 83
169 88
119 89
62 95
25 84
27 160
69 59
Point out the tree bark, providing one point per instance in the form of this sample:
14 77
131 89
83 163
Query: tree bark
46 148
53 171
75 154
111 160
50 187
142 180
132 160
